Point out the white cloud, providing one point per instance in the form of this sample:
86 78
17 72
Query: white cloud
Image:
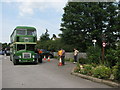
33 0
40 25
27 7
0 22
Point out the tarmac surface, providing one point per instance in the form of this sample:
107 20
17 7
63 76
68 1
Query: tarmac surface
45 75
0 71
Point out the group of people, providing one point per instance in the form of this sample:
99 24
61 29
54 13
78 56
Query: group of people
61 54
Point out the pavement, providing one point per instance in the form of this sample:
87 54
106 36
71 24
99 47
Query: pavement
45 75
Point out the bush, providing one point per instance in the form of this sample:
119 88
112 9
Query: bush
56 57
87 69
67 59
94 65
116 72
111 57
93 55
71 60
77 69
82 60
102 72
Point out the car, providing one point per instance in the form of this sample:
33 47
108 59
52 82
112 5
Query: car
3 52
8 52
46 53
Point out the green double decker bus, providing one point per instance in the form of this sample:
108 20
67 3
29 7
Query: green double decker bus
22 49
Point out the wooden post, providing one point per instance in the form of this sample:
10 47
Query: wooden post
103 55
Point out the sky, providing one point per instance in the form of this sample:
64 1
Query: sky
41 14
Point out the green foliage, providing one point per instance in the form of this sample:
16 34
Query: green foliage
87 69
113 56
83 61
99 71
102 72
77 69
69 59
93 55
5 45
54 45
116 72
56 57
84 21
44 37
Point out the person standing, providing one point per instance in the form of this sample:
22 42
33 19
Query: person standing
5 51
40 54
61 54
75 55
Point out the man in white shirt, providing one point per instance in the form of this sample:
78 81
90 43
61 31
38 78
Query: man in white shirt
75 55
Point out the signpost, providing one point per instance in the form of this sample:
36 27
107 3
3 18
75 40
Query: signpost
103 46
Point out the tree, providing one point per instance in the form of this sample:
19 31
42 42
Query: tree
44 37
54 37
84 21
4 45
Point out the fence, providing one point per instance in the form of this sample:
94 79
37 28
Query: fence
70 55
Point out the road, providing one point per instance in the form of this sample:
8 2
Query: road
0 71
45 75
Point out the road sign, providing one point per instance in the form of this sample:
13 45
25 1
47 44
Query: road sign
104 44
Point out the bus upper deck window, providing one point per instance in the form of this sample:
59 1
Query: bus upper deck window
30 32
21 32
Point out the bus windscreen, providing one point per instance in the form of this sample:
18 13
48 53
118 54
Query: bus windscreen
21 32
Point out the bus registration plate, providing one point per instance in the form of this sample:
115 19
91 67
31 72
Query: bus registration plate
26 55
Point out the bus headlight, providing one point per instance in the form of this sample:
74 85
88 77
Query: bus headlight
19 56
33 56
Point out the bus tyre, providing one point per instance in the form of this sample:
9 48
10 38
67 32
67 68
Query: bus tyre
36 61
40 60
10 58
15 61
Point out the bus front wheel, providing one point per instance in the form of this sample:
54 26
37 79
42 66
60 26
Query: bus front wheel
36 61
10 58
15 61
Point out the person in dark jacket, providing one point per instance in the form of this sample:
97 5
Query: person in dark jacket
5 51
63 56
